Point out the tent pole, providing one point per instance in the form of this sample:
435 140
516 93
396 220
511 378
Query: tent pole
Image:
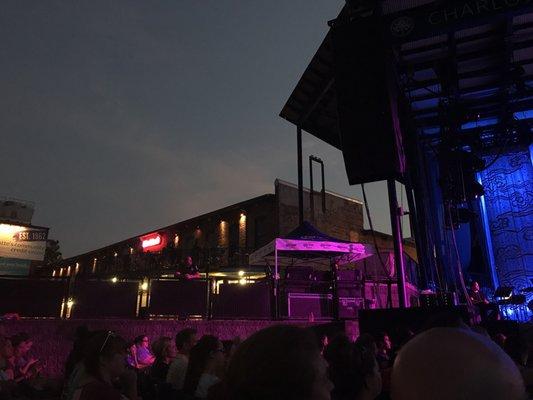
276 286
334 284
311 192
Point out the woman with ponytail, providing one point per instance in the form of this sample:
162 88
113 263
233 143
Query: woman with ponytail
206 363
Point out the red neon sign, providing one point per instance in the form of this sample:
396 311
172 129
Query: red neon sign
151 241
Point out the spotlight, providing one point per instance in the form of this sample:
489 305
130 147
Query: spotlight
473 189
114 279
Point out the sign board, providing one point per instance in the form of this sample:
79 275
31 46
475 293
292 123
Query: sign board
23 242
14 266
442 16
153 242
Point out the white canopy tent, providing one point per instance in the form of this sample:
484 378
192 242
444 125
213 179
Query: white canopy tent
306 246
282 252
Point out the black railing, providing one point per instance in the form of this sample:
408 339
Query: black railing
138 264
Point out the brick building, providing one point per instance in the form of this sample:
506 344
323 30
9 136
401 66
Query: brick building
221 240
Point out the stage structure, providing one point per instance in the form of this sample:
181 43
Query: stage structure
308 247
439 96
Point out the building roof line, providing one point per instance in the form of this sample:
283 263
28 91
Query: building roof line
195 219
184 222
327 191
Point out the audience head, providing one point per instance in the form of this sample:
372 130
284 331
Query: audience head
383 341
452 363
403 335
517 348
353 369
480 330
279 362
163 349
366 340
474 286
230 346
185 340
338 353
141 341
21 343
500 339
207 354
105 355
323 343
6 348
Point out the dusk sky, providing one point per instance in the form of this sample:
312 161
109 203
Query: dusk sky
119 117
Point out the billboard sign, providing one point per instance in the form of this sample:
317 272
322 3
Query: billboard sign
13 266
23 242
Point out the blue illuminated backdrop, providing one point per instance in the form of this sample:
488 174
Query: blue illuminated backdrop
508 203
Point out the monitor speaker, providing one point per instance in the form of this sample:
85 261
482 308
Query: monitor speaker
368 102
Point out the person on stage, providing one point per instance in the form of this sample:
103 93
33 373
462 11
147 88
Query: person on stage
188 270
476 295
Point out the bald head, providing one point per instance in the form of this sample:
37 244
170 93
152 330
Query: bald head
453 364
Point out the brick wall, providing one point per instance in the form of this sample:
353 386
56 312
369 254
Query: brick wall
342 218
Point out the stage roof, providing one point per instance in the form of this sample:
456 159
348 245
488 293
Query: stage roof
491 43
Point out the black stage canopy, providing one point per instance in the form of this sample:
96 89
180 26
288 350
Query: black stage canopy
478 52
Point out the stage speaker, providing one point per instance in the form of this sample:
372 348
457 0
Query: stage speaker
349 289
367 101
304 274
250 301
348 275
303 305
349 307
428 300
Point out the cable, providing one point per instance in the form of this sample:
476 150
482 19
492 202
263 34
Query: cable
447 246
374 240
401 207
458 264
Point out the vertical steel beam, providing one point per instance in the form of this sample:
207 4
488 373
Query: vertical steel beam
397 238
